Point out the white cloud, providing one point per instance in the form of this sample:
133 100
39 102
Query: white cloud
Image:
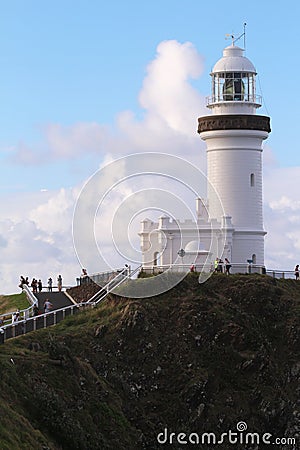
285 203
36 241
27 249
166 93
54 215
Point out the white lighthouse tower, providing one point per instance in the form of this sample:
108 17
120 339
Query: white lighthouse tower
234 134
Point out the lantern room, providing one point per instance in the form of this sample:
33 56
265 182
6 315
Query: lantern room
233 83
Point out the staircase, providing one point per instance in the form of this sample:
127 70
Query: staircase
63 306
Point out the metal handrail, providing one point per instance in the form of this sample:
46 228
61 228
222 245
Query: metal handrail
113 284
107 273
98 277
127 277
277 273
30 295
22 323
106 287
247 268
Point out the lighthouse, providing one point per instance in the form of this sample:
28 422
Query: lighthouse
229 220
234 135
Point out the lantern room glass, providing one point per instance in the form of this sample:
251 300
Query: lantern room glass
233 86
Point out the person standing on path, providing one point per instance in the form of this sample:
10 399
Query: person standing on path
50 284
297 272
15 316
59 283
227 266
35 310
47 306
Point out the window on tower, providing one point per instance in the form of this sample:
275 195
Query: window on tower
156 258
252 180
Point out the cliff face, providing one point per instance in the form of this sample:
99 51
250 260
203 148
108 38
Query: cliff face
197 359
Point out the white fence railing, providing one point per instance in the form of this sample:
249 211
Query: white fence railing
100 277
234 269
276 273
207 268
36 322
112 284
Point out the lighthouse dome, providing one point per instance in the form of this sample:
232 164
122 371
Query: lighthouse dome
233 60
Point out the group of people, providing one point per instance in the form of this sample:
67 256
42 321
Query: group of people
37 285
47 308
220 265
15 316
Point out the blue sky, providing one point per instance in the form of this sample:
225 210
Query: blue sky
70 69
69 61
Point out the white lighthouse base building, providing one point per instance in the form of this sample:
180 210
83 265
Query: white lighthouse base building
184 244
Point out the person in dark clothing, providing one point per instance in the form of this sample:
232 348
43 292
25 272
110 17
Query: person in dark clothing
22 282
227 266
50 284
220 266
36 310
34 285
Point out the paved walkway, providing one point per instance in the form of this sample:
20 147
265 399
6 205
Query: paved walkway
58 300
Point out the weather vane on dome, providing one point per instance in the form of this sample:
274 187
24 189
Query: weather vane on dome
234 40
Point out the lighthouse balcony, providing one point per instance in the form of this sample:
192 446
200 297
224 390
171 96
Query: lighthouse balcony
238 98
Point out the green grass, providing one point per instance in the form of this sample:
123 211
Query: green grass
9 303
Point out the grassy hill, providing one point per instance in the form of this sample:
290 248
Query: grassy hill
196 359
9 303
